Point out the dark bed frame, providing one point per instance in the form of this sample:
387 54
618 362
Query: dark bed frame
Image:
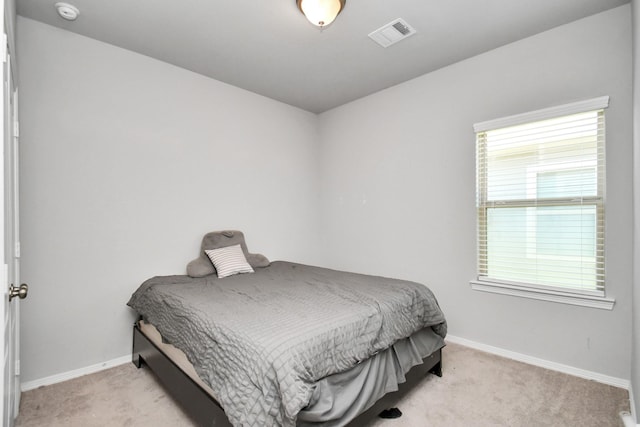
198 403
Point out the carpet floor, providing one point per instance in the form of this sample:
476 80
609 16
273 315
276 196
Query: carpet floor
476 389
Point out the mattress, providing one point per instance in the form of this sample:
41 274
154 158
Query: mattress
173 353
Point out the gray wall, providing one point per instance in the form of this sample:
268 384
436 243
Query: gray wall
126 163
635 358
398 188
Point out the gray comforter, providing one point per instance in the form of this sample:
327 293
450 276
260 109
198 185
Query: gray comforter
262 340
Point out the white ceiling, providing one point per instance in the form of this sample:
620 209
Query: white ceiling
268 47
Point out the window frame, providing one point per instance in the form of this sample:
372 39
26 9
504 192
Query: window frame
588 298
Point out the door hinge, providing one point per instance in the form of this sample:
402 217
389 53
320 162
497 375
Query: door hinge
17 367
16 129
17 250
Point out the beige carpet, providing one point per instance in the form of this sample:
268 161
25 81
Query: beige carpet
477 389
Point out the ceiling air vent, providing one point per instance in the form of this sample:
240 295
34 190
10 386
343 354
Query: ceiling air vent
392 33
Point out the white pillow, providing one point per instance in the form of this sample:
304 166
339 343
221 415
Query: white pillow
229 260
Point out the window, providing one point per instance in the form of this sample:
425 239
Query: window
540 204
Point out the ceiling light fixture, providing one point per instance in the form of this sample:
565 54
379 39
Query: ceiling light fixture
67 11
321 12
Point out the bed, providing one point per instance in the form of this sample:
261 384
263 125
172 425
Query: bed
288 344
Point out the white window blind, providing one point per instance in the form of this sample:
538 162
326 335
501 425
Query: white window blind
540 200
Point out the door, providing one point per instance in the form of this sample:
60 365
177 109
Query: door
5 305
10 249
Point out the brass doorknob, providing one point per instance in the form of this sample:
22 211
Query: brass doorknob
20 292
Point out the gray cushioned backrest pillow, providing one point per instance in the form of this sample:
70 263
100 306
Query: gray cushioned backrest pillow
202 265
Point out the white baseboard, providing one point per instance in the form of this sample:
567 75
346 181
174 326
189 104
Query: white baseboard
632 405
65 376
565 369
628 420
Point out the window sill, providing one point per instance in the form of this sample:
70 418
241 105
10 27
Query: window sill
544 295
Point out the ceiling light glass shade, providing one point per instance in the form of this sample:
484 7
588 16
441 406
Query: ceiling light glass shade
321 12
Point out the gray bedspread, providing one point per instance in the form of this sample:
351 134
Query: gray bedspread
262 340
